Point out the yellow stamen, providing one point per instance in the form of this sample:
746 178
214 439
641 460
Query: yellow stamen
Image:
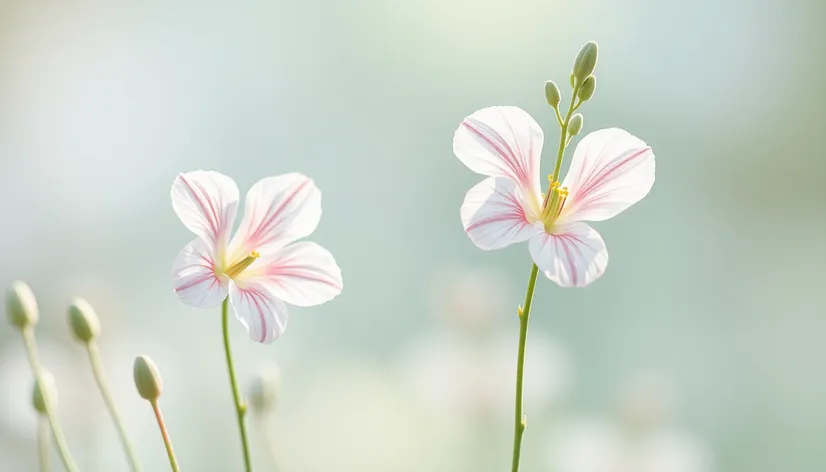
239 266
553 204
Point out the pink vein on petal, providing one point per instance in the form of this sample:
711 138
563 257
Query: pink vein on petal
597 179
254 238
509 157
212 224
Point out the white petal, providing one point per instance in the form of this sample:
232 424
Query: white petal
259 310
501 142
302 274
610 171
278 211
194 278
574 256
494 215
206 203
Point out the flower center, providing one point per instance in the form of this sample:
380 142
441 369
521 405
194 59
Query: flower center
552 206
239 266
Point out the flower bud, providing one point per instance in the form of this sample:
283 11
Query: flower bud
21 306
83 320
586 90
552 94
586 62
263 391
147 379
47 392
575 124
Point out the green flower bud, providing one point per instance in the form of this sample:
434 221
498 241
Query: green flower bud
552 94
586 62
263 391
575 124
21 306
586 90
83 320
147 379
47 392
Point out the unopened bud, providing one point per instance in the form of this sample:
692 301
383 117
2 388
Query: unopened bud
45 393
147 379
586 62
575 124
21 306
552 94
263 391
586 90
83 320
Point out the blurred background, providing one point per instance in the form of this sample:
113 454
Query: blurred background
701 348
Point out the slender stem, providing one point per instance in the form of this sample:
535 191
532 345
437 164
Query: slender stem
44 453
57 432
240 407
103 385
563 138
167 442
520 420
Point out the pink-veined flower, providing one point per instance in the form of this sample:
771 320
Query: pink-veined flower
262 266
610 171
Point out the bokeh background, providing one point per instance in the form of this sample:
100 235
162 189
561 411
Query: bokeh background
701 349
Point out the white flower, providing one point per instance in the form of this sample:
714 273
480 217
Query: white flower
262 266
610 171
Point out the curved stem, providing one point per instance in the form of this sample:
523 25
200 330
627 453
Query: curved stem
103 385
563 138
240 407
165 434
520 420
44 445
57 431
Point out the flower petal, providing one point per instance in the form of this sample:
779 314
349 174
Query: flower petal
302 274
494 215
278 211
194 278
574 256
610 171
206 203
259 310
501 142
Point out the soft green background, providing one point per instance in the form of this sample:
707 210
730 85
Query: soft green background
715 281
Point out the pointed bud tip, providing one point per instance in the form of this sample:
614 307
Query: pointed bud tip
45 392
147 379
83 320
263 390
586 90
575 124
586 62
21 305
552 94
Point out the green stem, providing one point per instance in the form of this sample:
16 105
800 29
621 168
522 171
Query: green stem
165 434
103 385
57 432
240 407
520 420
563 138
525 313
43 445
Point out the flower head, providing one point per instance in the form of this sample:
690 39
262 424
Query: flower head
262 266
610 171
